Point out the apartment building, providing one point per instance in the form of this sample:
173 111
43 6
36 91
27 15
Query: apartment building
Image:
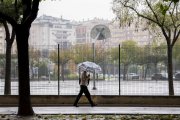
46 32
129 32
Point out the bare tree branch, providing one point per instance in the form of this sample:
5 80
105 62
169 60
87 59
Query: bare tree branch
34 11
178 26
176 38
16 9
13 34
6 29
165 35
165 14
171 15
177 16
141 15
26 9
152 11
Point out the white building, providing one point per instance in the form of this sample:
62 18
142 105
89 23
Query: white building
131 32
84 28
3 41
47 32
118 34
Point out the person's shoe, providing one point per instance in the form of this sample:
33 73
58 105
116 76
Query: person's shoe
75 105
93 105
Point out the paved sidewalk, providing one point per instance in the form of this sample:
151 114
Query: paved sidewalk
96 110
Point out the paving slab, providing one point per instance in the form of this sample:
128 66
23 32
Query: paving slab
96 110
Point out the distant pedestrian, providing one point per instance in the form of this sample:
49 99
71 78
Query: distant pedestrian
84 82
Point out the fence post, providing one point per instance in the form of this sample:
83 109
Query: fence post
58 72
119 70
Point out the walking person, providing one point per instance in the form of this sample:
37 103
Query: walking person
84 81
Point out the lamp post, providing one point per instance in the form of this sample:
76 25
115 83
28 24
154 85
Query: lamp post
94 82
98 32
61 37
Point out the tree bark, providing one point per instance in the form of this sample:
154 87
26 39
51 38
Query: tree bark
125 72
22 35
155 66
9 42
146 70
7 86
170 70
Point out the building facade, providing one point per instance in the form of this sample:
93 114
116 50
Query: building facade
130 32
3 41
47 32
83 30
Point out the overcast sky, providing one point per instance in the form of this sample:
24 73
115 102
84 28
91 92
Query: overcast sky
77 9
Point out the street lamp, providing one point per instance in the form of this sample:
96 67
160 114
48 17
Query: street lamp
98 32
94 84
60 38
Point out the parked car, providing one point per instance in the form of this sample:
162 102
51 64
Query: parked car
132 76
159 76
177 76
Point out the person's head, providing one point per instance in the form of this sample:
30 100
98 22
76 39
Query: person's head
88 76
84 72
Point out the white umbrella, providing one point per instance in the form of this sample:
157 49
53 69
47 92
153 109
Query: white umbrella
90 67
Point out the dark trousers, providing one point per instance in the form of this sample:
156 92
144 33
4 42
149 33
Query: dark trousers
87 94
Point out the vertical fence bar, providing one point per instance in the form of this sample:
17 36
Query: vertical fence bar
119 70
94 80
58 72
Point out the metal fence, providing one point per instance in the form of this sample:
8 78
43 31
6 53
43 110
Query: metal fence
126 70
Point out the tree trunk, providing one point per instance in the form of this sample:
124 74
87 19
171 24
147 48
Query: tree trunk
155 65
9 42
146 70
22 35
125 72
170 70
7 86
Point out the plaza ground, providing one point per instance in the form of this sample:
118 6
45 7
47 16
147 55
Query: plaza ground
104 87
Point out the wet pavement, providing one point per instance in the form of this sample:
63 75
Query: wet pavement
96 110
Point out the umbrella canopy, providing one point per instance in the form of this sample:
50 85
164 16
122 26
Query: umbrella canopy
90 67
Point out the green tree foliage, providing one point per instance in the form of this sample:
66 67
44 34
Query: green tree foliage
129 53
158 54
64 57
82 53
34 59
161 14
